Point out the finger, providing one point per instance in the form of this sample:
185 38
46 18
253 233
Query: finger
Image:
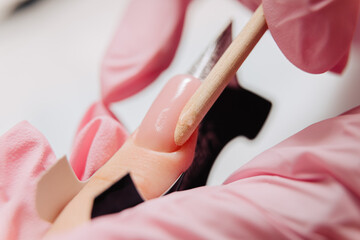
98 138
97 109
143 46
153 166
151 155
313 35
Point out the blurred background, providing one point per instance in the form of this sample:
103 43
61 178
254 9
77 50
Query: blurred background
50 55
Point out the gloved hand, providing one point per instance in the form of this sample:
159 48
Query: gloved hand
143 47
306 187
314 35
25 154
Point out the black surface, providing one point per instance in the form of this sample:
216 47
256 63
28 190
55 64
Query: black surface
237 112
122 195
119 196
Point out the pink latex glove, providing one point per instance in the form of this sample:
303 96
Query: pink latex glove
303 188
25 154
314 35
99 136
143 46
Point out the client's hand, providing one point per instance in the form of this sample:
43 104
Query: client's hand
150 155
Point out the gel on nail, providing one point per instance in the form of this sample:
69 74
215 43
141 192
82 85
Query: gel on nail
156 131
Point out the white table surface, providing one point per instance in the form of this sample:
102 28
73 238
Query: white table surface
50 55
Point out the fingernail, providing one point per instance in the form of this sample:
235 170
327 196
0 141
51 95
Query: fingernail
156 131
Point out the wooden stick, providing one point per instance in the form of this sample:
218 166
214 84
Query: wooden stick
224 70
